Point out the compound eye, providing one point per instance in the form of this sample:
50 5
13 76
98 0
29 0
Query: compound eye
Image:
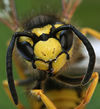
26 49
66 39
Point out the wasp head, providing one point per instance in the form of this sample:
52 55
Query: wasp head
46 51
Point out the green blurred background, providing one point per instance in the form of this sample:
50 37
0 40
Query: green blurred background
86 15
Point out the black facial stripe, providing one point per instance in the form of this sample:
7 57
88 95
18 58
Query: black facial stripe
50 69
35 38
52 29
67 55
44 37
44 60
36 59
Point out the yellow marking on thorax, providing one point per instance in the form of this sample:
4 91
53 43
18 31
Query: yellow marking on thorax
27 39
65 100
40 31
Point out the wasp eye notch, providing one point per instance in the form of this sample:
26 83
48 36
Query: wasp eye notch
66 39
25 49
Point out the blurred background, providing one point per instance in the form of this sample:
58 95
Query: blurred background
86 15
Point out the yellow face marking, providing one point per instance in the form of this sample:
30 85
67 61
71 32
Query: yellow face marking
70 52
59 63
56 26
47 50
27 39
40 31
41 65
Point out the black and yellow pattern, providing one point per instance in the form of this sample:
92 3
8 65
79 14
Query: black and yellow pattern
44 46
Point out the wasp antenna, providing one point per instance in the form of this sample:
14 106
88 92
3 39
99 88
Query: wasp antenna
9 70
90 52
88 47
9 64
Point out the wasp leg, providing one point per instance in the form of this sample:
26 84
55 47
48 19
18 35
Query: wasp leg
89 91
5 85
90 31
44 98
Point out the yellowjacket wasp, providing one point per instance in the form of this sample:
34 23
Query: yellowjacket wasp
48 43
